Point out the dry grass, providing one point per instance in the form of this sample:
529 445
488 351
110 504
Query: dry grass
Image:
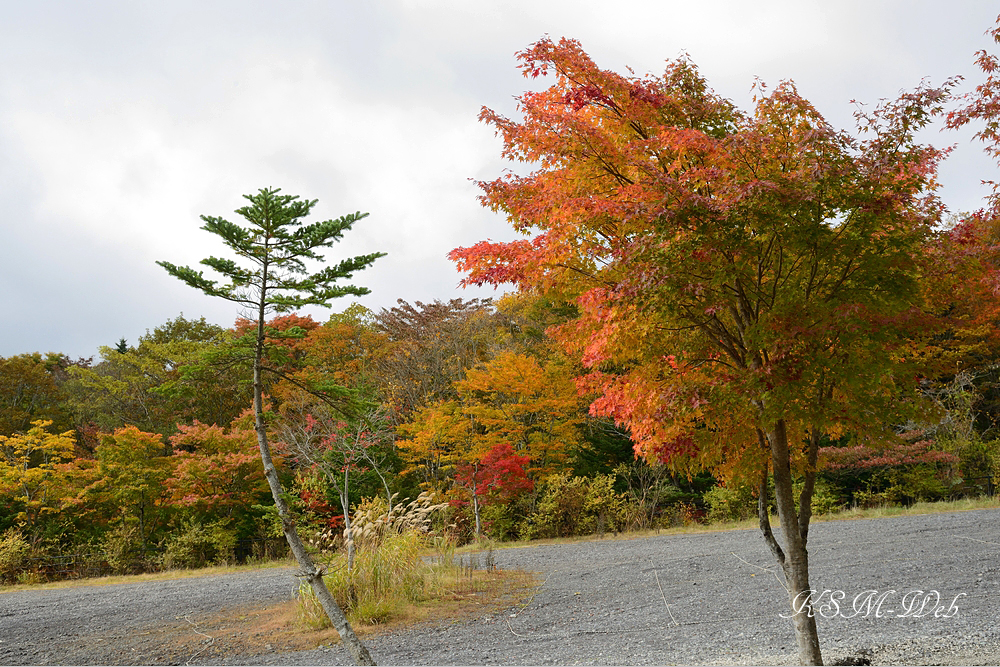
395 577
453 595
961 505
258 631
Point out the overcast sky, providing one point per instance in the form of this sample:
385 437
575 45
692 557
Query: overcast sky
122 122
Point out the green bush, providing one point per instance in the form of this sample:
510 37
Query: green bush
14 550
604 509
731 503
200 545
902 485
571 506
739 502
826 498
123 549
502 521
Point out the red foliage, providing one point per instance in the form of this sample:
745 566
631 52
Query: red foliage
295 347
733 271
499 477
315 501
912 449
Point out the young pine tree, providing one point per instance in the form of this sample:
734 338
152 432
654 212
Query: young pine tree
274 246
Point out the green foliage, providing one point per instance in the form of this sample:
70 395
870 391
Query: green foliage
739 502
731 503
604 449
200 545
903 485
132 472
577 506
163 380
826 498
978 461
29 392
502 521
14 550
277 244
124 549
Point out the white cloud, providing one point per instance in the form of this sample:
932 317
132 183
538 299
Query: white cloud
121 123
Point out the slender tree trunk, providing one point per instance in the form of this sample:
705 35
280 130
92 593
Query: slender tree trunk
312 574
794 559
345 504
385 485
475 509
142 531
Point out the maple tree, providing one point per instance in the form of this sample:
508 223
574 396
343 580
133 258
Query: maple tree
342 348
275 247
511 399
436 438
335 358
983 106
514 398
28 468
499 477
285 342
215 470
131 469
746 282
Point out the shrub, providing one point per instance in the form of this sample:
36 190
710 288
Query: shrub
558 511
604 509
200 545
576 506
825 498
14 550
503 521
731 503
902 485
123 549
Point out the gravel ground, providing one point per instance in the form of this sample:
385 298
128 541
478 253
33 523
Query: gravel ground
710 598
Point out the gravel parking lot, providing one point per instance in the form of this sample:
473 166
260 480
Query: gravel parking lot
711 598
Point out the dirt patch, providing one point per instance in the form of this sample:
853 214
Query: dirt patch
249 631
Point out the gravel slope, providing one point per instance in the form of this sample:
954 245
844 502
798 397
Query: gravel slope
691 599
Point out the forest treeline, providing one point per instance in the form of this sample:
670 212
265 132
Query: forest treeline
146 457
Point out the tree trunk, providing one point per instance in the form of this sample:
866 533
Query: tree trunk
313 574
348 534
475 509
794 559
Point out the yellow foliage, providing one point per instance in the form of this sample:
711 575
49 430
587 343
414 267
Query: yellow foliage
513 398
28 466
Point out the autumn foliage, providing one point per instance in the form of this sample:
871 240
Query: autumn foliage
730 268
705 295
747 282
